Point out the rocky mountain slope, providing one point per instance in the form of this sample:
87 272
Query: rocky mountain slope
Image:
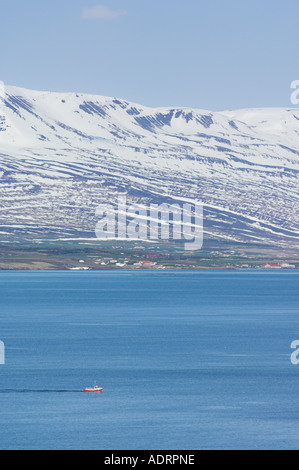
63 154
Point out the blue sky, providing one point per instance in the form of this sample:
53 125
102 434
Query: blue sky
216 54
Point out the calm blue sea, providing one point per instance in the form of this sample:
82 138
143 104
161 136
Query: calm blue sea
187 360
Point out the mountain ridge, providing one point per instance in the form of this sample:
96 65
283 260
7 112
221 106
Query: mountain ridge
63 154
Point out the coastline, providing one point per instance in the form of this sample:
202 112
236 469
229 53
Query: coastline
72 256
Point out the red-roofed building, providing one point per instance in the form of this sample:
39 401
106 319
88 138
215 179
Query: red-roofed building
272 266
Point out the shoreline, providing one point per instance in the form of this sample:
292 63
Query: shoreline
74 257
144 270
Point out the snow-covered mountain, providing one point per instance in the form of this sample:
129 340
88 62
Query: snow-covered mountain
63 154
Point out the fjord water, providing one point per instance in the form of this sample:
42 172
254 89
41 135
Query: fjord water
187 360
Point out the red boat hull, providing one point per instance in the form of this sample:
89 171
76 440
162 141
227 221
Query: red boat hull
87 390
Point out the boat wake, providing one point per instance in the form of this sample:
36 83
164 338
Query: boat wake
8 391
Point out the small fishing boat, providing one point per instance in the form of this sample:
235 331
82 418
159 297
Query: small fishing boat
95 389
